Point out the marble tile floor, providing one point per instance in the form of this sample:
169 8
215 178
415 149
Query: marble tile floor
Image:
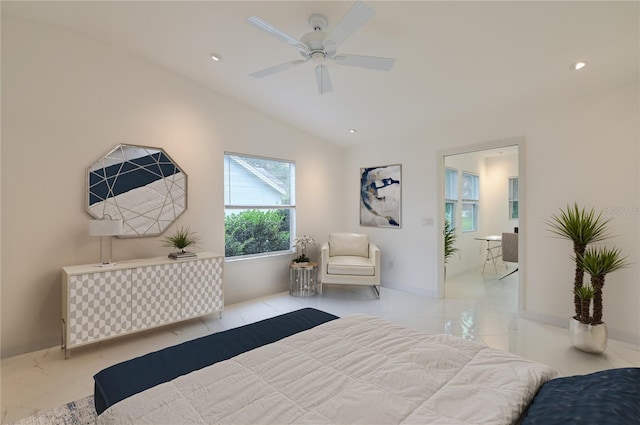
477 307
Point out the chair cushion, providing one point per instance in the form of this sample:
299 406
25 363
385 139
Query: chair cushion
351 266
348 244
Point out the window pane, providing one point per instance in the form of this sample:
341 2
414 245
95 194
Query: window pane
469 217
513 209
256 231
250 181
513 188
513 197
259 205
451 184
470 187
450 213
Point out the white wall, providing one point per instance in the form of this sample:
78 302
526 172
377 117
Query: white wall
495 193
66 101
583 149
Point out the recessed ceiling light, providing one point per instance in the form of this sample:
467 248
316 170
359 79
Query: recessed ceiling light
577 66
352 130
216 57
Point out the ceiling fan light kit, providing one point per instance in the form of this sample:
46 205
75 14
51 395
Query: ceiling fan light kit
318 46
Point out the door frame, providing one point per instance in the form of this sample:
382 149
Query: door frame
515 141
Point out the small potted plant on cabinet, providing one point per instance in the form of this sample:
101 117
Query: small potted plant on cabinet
182 238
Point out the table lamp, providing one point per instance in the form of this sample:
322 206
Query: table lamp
105 227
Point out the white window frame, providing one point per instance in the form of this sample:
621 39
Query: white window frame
471 200
451 194
229 205
513 198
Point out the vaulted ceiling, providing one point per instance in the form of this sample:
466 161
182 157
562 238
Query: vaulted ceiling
452 58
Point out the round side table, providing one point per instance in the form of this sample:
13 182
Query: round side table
303 279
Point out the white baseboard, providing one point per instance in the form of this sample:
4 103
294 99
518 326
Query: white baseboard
613 333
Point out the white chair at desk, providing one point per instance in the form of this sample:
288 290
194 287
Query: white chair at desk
493 252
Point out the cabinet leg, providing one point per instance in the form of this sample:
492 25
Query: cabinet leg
63 341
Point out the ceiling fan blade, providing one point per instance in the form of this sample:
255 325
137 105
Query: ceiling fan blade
323 80
357 16
370 62
281 35
277 68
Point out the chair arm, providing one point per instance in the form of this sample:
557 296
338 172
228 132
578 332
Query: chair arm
374 256
374 253
324 252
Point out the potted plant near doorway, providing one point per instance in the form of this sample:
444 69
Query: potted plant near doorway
587 332
449 241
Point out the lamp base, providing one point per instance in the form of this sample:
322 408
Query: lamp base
105 264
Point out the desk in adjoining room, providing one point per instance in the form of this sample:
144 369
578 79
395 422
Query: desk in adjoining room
494 251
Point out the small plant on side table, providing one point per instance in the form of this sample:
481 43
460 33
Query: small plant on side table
300 243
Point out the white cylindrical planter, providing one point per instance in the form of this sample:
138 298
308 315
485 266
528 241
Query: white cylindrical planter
588 338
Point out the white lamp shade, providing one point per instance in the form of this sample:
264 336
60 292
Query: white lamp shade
105 227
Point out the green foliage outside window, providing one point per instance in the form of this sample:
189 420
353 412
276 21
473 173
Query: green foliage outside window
256 232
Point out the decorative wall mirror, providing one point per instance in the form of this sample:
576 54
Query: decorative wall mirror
141 185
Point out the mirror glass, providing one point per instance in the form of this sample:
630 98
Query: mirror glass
141 185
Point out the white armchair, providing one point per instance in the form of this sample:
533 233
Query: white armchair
350 259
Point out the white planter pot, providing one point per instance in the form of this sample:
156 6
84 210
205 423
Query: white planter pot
588 338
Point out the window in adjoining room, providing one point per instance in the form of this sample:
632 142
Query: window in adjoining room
450 195
513 198
470 201
259 205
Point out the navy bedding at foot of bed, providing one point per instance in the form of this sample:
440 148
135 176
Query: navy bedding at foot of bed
609 397
125 379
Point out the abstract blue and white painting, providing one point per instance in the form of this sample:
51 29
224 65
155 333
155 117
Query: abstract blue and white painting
380 196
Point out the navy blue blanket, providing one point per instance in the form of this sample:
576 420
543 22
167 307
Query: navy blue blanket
125 379
610 397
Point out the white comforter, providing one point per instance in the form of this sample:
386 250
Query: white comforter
353 370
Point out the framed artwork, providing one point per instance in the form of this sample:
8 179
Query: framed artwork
380 196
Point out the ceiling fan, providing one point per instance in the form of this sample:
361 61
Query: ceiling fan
319 46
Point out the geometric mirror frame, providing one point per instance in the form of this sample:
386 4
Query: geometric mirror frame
141 185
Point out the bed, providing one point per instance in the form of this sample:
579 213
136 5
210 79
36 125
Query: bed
355 369
125 379
609 397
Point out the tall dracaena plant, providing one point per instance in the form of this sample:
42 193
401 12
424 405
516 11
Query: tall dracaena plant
449 240
598 262
582 227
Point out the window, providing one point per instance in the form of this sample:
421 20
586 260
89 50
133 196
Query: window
259 205
470 200
513 198
450 195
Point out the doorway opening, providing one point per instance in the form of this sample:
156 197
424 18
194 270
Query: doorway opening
481 196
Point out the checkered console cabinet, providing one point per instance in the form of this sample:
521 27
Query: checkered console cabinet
101 303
